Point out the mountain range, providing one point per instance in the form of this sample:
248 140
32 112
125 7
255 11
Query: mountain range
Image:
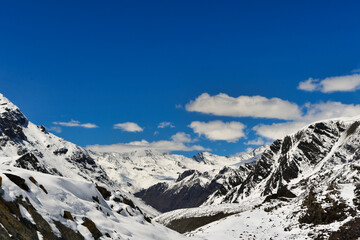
304 186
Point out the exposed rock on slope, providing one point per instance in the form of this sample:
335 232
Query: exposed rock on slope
69 210
319 146
192 188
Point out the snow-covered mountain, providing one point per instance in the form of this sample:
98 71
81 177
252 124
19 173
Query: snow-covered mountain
319 147
64 193
305 186
192 188
25 145
139 170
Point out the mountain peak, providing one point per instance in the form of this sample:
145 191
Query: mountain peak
6 105
202 156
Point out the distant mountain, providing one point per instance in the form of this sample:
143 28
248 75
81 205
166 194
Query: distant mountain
138 170
192 188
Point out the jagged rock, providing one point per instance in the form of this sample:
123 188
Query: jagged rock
68 233
30 162
61 151
92 228
43 188
104 192
67 215
32 179
18 181
282 194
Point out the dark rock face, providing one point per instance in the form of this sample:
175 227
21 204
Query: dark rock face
315 213
92 228
104 192
192 223
199 157
188 190
68 233
185 174
11 123
83 158
30 162
61 151
282 194
18 181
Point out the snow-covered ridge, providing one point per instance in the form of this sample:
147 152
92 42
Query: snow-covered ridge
6 104
139 170
192 188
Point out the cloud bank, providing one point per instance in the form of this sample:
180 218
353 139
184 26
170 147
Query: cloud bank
165 124
218 130
314 112
244 106
128 127
347 83
256 142
74 123
179 142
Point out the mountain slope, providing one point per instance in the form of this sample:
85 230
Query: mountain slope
192 188
40 206
27 146
304 186
311 150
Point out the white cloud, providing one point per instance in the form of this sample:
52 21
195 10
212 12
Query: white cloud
257 142
345 83
314 112
182 137
218 130
55 129
278 130
244 106
165 124
178 142
309 85
74 123
128 127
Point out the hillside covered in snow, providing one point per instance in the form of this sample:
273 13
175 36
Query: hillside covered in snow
34 205
305 186
53 189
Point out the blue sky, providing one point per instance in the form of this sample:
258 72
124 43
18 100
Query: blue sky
68 63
